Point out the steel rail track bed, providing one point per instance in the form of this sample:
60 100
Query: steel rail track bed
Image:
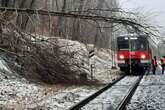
122 104
129 95
93 96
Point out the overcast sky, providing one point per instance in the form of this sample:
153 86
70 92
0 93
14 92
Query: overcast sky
149 6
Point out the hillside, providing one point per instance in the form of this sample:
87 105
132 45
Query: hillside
19 92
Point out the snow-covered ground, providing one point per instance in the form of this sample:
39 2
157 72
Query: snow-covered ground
150 95
21 95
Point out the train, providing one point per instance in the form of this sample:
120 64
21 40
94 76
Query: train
135 52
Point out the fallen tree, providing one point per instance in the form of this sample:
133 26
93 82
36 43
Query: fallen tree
42 58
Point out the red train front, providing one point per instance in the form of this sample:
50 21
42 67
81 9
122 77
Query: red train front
133 53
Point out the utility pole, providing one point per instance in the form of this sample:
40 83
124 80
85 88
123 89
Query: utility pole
112 48
129 43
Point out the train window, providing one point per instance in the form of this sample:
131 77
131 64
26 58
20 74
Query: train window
138 45
135 44
123 45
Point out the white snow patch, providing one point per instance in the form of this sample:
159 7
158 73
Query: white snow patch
4 66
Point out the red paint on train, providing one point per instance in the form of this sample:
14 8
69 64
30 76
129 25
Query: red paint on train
123 54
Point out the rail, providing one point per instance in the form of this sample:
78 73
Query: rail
93 96
128 97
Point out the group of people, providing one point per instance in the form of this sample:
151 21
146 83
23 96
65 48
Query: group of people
155 64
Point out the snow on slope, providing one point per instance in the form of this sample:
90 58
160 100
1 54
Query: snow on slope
20 94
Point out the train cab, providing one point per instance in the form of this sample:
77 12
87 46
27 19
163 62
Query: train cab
133 53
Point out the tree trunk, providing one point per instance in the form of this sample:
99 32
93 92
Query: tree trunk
77 25
22 20
5 3
61 21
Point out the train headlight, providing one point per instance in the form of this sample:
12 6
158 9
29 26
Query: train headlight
143 56
121 57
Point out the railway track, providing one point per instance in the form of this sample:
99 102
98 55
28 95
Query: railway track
131 88
129 95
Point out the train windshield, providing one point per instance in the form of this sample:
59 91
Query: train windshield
136 43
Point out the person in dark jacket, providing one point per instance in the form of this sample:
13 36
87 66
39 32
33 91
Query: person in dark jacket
163 64
154 64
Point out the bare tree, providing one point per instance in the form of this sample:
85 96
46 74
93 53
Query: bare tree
22 20
86 23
